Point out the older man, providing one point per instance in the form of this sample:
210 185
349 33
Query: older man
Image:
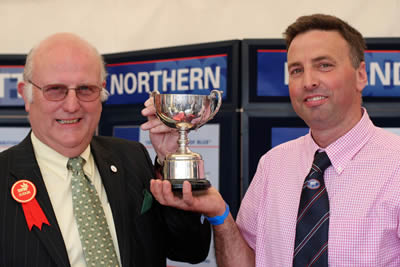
73 199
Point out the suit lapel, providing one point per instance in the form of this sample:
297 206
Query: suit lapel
24 166
112 175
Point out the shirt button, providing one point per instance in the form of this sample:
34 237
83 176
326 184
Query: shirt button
339 169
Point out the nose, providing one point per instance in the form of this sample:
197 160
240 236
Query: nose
310 80
71 102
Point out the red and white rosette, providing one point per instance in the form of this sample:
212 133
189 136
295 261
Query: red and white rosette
24 192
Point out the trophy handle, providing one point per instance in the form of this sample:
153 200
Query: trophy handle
213 94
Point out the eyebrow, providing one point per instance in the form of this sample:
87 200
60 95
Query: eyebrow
294 64
314 60
320 58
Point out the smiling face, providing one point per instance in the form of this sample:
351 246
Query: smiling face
325 89
68 125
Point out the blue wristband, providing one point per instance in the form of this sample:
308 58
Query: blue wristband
217 220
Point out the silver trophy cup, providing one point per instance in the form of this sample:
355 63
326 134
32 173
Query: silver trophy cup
186 112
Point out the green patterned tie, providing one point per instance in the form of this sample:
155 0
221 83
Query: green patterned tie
95 236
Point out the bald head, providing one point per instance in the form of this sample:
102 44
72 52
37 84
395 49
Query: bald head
65 44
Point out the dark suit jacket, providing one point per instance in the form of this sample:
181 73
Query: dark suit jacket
144 239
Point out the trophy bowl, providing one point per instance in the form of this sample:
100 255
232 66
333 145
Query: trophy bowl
185 112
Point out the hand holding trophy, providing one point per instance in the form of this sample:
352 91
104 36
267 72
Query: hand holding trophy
186 112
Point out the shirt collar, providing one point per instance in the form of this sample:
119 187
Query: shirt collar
344 149
46 155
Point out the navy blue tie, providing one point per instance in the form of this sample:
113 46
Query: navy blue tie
311 244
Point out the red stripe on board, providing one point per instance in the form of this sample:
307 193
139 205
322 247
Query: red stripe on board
366 51
163 60
271 50
382 51
12 66
193 146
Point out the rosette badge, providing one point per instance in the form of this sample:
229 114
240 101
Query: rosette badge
186 112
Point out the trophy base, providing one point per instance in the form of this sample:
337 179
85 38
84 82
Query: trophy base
197 184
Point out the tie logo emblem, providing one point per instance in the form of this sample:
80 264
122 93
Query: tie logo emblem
313 184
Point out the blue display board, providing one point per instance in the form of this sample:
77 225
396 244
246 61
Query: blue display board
131 82
265 76
220 135
127 132
190 69
9 78
272 73
280 135
383 68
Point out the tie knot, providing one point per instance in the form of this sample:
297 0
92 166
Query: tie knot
75 164
321 160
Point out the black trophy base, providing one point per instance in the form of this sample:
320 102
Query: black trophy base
197 184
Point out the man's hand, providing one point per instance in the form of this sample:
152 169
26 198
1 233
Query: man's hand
163 138
230 247
208 202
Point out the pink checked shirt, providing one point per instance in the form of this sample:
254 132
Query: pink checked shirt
363 186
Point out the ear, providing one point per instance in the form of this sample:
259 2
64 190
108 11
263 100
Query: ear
22 92
362 77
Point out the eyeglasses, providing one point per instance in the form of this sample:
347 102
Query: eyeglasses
58 92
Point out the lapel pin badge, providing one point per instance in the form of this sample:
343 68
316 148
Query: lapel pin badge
24 192
113 168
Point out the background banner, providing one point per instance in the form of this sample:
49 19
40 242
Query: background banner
9 78
383 68
131 82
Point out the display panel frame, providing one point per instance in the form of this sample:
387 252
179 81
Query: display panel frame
10 65
10 121
256 138
229 148
230 48
249 84
257 135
